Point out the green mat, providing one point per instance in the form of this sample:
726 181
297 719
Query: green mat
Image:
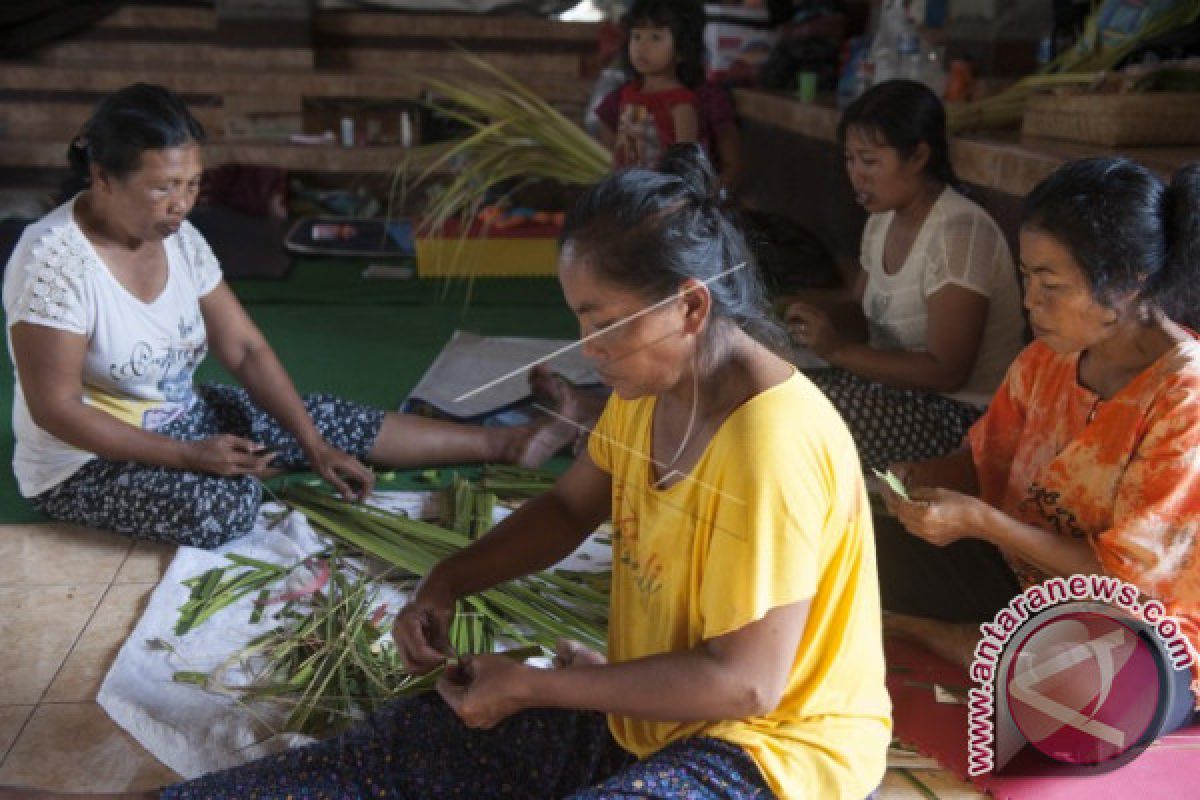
340 282
365 339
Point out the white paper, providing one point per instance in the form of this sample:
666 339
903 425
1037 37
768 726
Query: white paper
191 730
469 361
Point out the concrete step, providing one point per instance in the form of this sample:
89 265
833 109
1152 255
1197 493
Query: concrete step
304 83
147 16
525 67
196 53
28 115
453 26
49 154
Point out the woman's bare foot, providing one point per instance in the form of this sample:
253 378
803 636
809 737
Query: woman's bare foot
555 392
570 415
953 641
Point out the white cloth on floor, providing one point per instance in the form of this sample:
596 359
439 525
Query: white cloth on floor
194 731
189 729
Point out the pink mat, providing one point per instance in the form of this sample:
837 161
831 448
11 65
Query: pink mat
1169 769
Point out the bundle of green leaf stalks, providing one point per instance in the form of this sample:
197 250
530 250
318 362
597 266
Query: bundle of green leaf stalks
1080 66
534 610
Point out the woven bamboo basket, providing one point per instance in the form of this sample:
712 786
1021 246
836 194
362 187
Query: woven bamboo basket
1114 120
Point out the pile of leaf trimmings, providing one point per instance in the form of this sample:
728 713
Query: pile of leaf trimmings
328 660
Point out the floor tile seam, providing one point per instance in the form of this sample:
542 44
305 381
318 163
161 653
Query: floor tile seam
20 731
75 643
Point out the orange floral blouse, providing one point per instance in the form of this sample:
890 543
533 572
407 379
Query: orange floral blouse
1123 473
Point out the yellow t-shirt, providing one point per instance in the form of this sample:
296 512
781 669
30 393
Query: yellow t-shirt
775 512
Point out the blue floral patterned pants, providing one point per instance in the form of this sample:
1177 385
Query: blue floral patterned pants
417 749
193 508
891 425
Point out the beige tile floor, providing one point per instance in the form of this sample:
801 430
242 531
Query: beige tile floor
69 597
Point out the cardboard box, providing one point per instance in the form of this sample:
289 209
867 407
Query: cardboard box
527 249
737 41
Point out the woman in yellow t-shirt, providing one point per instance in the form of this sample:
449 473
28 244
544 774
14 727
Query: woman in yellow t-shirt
744 653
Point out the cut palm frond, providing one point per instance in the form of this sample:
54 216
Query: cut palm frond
513 134
1081 66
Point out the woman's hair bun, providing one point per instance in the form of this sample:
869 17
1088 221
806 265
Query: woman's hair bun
78 157
688 162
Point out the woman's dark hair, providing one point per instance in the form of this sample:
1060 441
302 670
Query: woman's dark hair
649 231
128 122
1126 229
903 114
685 18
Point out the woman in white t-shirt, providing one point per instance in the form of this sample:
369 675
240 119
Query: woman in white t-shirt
937 288
112 301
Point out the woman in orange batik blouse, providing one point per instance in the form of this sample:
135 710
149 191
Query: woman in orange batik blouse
1088 459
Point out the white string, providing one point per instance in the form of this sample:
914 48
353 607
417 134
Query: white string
668 299
687 433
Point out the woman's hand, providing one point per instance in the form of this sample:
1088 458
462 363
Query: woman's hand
341 470
570 653
939 516
487 689
907 473
228 455
422 632
811 327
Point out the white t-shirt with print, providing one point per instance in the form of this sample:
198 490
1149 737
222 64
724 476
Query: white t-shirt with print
141 357
960 245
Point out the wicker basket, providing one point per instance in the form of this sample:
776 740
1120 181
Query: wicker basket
1154 118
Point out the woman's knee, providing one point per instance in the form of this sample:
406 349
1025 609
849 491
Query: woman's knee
239 509
209 513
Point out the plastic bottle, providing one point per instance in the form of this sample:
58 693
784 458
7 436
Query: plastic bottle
848 88
886 62
406 129
908 52
884 48
1045 52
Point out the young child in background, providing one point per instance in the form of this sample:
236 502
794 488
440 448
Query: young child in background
665 51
